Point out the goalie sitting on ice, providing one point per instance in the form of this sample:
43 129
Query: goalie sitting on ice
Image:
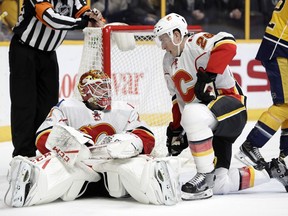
103 149
74 133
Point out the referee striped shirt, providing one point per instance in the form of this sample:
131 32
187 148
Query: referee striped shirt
43 24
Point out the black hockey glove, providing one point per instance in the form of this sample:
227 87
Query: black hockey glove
176 141
91 18
83 22
205 87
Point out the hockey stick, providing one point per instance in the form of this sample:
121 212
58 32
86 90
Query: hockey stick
99 151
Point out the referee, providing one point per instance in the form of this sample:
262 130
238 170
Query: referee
34 72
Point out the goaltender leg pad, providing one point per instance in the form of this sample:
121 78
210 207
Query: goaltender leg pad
80 174
145 179
114 185
112 170
145 187
43 180
68 144
19 183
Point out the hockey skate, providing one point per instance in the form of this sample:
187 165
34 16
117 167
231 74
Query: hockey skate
168 189
19 183
277 169
251 156
199 187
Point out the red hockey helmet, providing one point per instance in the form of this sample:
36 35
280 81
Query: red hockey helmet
95 89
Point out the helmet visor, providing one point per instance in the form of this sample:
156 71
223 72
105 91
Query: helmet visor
100 93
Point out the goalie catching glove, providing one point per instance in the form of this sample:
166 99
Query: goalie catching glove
176 140
205 86
124 145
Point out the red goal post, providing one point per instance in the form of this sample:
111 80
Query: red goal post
109 29
136 74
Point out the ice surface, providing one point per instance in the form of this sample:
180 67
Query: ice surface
267 199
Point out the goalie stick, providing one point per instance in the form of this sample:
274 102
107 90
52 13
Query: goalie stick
99 152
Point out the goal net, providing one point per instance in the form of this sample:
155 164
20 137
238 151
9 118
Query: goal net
136 74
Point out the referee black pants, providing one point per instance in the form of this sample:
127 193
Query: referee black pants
34 89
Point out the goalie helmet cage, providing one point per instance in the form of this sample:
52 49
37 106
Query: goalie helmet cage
136 74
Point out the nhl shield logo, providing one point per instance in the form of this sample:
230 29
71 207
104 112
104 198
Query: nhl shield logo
63 9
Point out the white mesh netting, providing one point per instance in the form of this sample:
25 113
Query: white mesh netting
137 78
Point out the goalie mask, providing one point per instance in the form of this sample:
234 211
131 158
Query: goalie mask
95 89
168 24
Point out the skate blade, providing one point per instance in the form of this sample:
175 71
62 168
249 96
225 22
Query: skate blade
244 159
21 183
163 177
197 196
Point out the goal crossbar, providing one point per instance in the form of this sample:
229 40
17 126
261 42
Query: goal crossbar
106 38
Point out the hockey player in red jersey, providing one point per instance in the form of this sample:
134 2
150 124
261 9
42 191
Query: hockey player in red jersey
209 111
77 132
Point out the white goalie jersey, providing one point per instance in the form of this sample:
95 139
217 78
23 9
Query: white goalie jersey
98 124
68 139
